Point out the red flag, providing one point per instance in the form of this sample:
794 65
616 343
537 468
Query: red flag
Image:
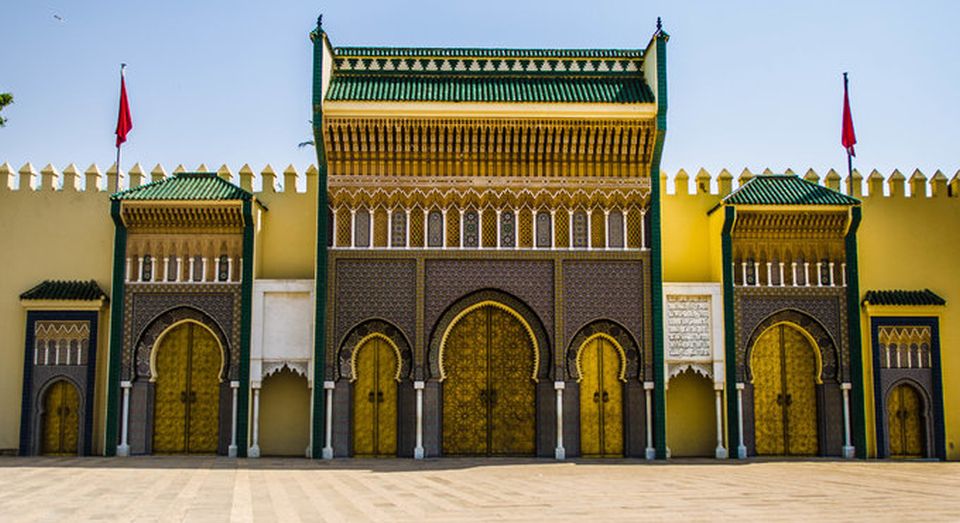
848 138
124 122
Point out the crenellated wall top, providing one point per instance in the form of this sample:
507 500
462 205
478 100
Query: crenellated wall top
875 184
291 180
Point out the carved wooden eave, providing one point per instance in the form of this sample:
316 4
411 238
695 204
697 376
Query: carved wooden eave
511 146
183 217
488 192
775 224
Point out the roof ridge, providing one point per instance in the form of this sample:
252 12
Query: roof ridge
235 189
506 52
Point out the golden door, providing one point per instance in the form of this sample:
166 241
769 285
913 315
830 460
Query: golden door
61 419
903 422
784 393
601 407
187 397
375 400
489 399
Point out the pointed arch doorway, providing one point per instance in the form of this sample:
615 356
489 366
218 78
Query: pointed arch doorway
376 369
905 422
488 360
61 419
786 369
187 363
601 368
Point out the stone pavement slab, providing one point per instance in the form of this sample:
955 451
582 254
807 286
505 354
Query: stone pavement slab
284 490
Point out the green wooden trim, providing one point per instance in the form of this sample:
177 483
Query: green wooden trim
116 330
320 291
857 399
729 338
656 258
246 317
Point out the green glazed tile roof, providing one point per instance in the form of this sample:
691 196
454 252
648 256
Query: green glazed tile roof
65 290
456 88
902 297
470 52
186 186
786 189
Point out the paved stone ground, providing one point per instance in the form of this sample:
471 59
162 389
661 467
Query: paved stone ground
285 490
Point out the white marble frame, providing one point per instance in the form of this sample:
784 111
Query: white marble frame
702 366
257 363
713 364
296 363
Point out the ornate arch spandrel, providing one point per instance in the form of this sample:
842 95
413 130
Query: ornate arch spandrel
503 300
158 326
612 330
363 331
828 350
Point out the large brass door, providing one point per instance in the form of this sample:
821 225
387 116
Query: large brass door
784 393
61 419
904 422
375 400
489 397
601 406
187 399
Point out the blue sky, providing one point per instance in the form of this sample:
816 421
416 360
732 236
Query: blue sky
752 83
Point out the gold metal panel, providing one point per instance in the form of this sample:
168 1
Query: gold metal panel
800 372
785 369
187 394
364 396
489 228
601 400
204 396
386 400
170 408
489 404
766 364
591 415
598 229
380 228
511 397
61 422
904 422
375 399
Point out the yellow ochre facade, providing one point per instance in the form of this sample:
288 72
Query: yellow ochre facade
499 267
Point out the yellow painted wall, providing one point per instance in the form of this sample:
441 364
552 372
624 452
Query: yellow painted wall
287 241
691 416
914 243
284 415
687 236
46 234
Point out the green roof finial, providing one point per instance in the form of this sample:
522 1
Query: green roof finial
659 24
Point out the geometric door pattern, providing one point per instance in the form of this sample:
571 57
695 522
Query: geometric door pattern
61 419
601 405
187 400
784 368
904 422
489 396
375 399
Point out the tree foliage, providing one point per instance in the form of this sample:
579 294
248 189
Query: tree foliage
5 100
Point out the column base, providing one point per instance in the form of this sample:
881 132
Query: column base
232 451
651 453
742 452
123 450
849 452
418 453
327 453
253 452
721 453
560 453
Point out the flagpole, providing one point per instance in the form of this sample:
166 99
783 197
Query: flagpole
849 157
122 67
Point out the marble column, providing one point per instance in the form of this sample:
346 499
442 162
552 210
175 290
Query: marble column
328 432
848 450
559 452
254 450
741 448
124 448
721 451
651 452
418 450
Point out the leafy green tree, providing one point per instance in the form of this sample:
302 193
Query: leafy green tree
5 100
